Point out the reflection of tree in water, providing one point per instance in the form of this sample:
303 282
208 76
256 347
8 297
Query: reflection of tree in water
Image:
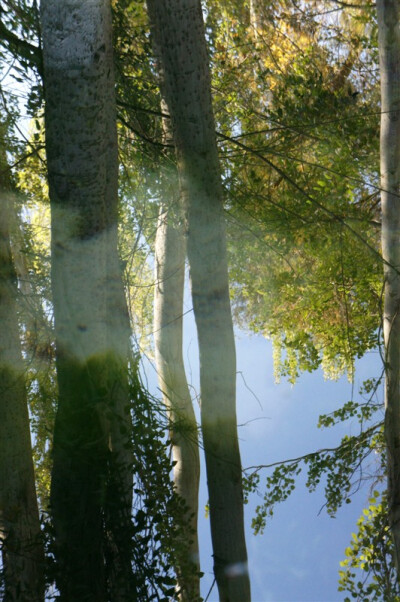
295 103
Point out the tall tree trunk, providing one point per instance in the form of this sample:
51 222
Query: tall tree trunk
180 41
170 254
168 310
255 17
389 58
20 536
91 472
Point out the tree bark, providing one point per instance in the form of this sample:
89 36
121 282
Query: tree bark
179 36
389 58
255 17
170 254
20 535
91 478
168 310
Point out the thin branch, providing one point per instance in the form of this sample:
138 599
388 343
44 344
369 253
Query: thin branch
350 5
325 450
140 135
35 151
140 109
24 50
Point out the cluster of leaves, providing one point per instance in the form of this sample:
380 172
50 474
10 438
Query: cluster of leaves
279 486
362 411
368 572
341 469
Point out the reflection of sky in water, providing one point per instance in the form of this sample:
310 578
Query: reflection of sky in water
297 558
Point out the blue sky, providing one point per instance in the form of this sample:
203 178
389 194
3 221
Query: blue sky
297 558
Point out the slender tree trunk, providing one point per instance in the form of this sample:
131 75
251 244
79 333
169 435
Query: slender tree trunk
255 18
389 57
179 37
170 254
91 479
20 536
168 309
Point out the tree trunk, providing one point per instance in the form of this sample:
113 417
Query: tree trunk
389 58
91 478
179 37
20 536
168 309
170 253
255 18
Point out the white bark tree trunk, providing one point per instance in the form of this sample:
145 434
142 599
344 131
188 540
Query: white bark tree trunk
255 18
170 254
180 39
20 536
168 309
91 478
389 58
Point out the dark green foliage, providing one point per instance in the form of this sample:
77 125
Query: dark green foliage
156 538
20 43
159 527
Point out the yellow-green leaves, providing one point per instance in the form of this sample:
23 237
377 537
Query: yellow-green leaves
368 573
